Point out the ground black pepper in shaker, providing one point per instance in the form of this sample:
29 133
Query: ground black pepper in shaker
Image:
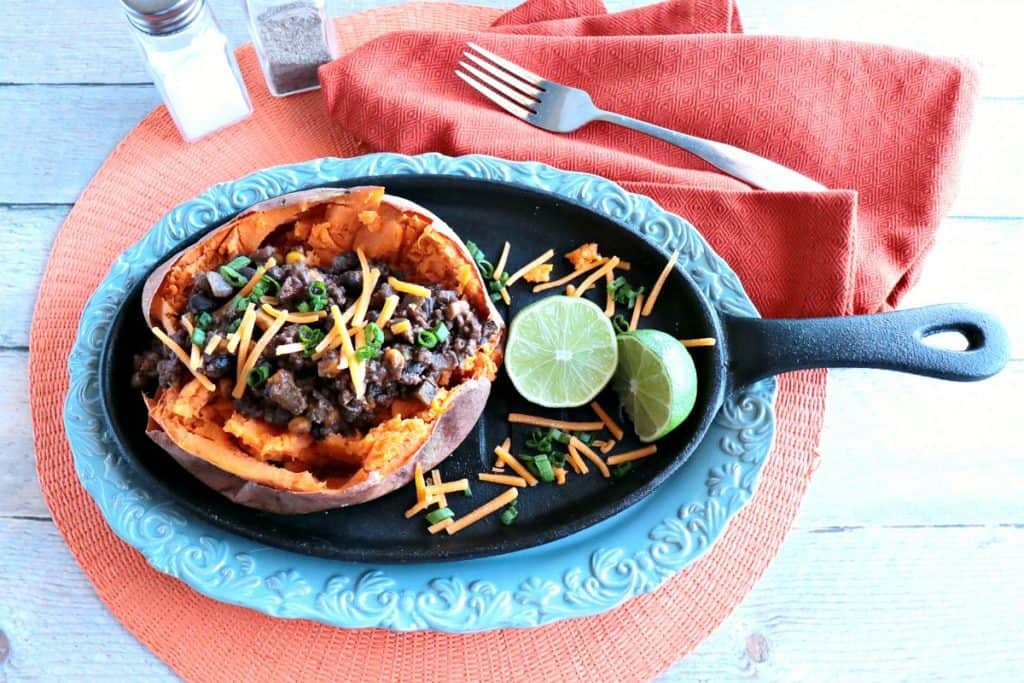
293 38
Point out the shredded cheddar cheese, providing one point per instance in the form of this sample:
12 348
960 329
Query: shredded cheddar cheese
564 425
660 282
543 258
560 475
183 357
487 508
387 310
195 357
401 327
233 340
515 465
609 423
576 461
541 273
499 267
408 287
607 267
584 255
457 486
285 349
570 290
566 279
212 344
634 320
440 526
609 296
699 341
620 458
591 456
504 296
421 486
418 508
254 355
608 446
506 479
624 265
244 338
187 324
442 499
294 317
362 304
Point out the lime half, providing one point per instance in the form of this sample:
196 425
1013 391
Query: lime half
561 351
656 382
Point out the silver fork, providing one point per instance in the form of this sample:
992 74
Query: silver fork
561 109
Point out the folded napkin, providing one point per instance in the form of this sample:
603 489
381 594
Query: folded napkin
882 126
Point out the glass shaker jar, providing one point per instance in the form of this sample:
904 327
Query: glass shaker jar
190 62
292 38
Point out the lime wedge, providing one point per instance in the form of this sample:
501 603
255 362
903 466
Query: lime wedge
656 382
561 351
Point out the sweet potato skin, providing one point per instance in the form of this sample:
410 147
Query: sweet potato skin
465 404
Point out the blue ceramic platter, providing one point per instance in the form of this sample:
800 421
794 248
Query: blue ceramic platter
581 575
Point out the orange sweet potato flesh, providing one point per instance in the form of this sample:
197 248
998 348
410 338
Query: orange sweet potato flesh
256 464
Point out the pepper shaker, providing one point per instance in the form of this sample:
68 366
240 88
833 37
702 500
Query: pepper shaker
292 38
190 62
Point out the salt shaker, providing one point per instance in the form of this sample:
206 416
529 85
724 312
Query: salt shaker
292 38
190 62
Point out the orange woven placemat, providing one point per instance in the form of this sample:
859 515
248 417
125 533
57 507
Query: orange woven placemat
149 172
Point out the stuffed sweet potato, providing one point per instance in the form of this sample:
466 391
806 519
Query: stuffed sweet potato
313 350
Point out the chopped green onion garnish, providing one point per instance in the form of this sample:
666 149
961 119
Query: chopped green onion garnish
436 516
258 290
440 333
241 303
585 437
620 323
561 437
508 515
557 458
486 269
235 324
468 492
614 285
374 335
239 262
306 333
495 296
367 352
621 470
259 374
198 336
303 307
204 320
232 276
544 470
318 288
270 283
426 339
474 251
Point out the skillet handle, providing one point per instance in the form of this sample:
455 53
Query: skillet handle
760 348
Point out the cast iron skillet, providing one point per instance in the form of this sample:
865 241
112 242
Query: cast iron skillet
488 213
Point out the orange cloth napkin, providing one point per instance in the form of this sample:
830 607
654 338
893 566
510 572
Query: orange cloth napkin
883 126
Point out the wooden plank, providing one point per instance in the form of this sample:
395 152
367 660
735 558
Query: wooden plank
19 488
63 134
29 232
878 604
96 46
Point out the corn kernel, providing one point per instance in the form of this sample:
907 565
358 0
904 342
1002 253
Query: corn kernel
294 257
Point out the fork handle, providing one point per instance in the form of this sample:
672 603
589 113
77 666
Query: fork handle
750 168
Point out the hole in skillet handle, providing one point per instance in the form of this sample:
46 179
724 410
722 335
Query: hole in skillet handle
898 341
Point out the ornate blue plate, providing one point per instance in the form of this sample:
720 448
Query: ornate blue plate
581 575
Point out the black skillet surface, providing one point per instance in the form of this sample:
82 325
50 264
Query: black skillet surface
486 213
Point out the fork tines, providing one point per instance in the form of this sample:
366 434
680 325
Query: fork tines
508 85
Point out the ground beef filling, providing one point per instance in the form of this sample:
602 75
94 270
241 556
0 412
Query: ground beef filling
313 396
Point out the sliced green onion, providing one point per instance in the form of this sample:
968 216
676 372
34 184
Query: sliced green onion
374 335
306 333
241 303
486 269
426 339
544 470
474 251
585 437
232 276
622 469
258 290
467 492
239 262
367 352
258 375
557 458
440 333
198 336
508 515
495 296
620 323
303 307
614 285
269 282
561 437
235 324
204 320
439 515
318 288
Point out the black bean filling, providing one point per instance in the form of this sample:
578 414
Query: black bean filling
304 394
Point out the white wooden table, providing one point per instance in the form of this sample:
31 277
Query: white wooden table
907 559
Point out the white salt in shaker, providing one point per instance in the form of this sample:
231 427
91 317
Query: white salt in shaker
190 62
292 39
